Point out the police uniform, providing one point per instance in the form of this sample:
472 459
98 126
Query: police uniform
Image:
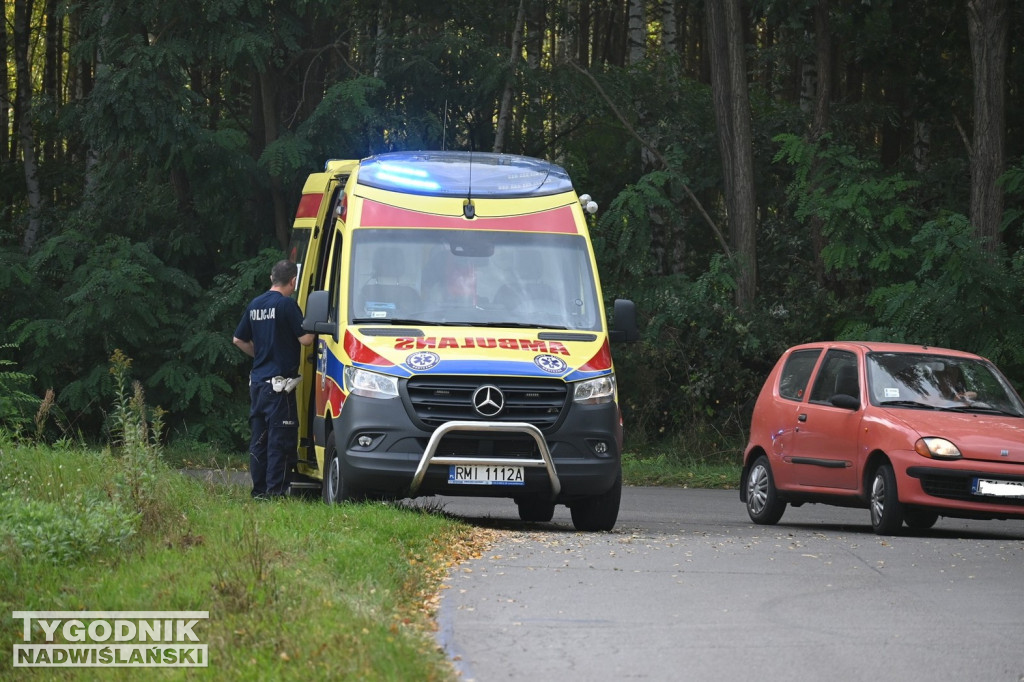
273 323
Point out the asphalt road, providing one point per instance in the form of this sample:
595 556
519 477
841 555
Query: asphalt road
686 588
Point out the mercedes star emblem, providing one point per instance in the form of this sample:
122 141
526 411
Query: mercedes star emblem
488 401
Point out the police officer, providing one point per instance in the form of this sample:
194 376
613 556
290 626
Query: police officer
270 332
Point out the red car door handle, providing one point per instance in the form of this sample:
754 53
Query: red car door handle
801 417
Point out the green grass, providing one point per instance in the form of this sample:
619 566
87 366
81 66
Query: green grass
703 457
295 590
668 470
191 455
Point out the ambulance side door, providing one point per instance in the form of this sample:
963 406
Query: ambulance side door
323 242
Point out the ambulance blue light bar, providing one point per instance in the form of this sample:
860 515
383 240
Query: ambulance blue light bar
410 177
463 174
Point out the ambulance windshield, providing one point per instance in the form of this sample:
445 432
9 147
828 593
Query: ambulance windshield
472 278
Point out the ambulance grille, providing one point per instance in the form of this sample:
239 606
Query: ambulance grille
440 399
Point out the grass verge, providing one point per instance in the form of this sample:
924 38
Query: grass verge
295 590
705 457
190 455
667 470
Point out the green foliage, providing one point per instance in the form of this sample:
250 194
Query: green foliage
356 579
111 294
16 403
626 231
700 360
959 297
206 376
866 218
165 172
64 533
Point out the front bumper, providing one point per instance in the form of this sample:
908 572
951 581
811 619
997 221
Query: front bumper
954 489
948 487
384 452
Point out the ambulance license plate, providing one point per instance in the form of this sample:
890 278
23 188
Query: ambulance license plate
485 475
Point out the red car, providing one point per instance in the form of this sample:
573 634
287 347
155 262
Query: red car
910 432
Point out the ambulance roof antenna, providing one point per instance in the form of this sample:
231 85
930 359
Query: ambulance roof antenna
468 209
444 127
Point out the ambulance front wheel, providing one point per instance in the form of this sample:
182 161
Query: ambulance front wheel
335 489
599 512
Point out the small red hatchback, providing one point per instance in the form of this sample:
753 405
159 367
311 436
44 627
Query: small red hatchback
910 432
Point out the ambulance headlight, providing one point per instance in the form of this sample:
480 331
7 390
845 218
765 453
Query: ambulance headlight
595 391
370 384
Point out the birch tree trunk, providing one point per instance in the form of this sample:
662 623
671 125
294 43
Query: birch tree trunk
380 39
101 70
5 78
669 27
637 32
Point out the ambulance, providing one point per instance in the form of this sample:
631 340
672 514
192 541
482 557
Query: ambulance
462 345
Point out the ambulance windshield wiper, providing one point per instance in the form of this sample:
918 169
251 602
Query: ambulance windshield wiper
392 320
513 325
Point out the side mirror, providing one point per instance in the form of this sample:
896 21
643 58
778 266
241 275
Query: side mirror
624 322
318 306
847 402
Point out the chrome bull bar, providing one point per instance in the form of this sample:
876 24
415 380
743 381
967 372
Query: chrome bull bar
429 457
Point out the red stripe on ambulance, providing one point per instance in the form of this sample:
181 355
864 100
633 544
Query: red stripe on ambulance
309 206
601 361
559 220
363 354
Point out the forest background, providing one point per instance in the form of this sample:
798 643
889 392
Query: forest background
769 172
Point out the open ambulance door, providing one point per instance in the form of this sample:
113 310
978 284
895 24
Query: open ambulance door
324 241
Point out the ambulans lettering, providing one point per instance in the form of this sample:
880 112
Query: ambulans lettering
262 314
534 345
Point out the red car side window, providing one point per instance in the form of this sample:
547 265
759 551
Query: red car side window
796 373
838 374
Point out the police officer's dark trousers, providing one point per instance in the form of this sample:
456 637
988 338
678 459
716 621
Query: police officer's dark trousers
275 438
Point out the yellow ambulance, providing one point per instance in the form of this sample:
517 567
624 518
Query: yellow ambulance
462 346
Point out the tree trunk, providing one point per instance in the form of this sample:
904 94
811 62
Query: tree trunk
381 39
986 24
23 112
637 32
732 116
268 80
505 110
5 78
820 121
102 70
53 73
669 27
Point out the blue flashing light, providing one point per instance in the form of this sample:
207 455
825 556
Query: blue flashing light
409 182
403 170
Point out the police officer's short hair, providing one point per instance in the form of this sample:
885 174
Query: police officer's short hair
283 272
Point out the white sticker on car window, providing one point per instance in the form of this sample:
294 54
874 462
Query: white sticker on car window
892 393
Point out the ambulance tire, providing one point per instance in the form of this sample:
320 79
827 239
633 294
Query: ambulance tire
335 490
599 512
535 510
